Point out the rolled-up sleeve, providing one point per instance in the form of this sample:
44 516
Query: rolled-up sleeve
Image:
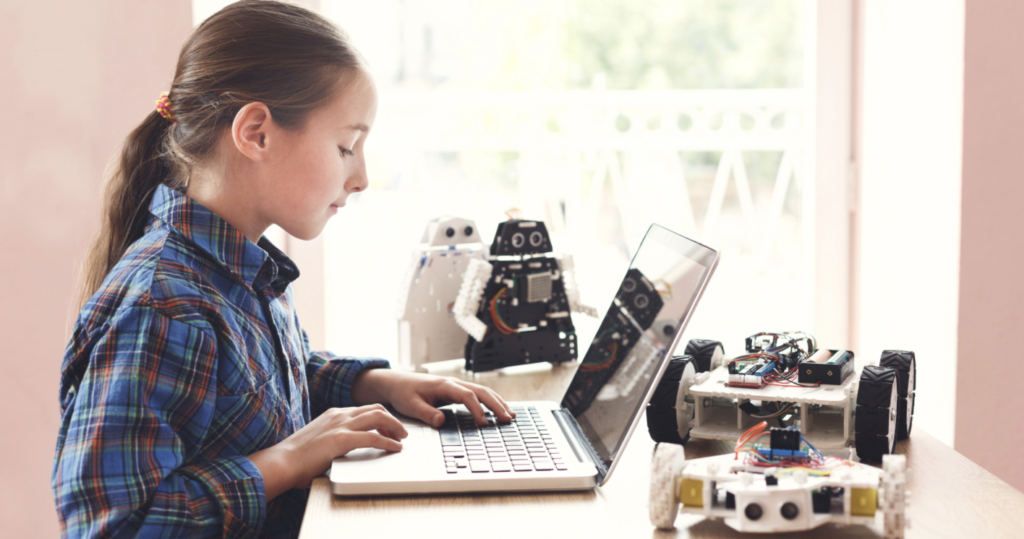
124 465
331 377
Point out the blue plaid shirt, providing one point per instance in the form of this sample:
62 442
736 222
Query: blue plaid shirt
187 359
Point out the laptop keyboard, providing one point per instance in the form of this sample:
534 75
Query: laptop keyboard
525 445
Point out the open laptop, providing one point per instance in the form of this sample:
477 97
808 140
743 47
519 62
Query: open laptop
571 445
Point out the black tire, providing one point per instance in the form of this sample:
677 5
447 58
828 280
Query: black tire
663 426
877 405
662 419
668 387
905 364
702 351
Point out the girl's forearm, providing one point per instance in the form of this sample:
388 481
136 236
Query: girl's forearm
369 385
273 465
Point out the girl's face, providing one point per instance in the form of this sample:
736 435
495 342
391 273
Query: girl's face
323 162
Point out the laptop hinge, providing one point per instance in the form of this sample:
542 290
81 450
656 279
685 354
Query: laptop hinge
580 443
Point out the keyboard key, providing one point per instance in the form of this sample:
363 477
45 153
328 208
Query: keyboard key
501 466
462 463
543 465
452 470
560 466
479 466
474 457
519 458
522 467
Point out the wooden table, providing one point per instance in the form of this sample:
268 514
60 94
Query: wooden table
950 495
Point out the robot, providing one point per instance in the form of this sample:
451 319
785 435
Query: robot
784 377
784 485
516 306
427 331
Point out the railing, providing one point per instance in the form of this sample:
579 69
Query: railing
598 167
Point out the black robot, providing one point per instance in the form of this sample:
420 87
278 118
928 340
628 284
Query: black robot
516 306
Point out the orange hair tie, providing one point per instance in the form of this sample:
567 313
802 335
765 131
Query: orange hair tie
163 106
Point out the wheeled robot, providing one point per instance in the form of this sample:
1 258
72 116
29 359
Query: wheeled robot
516 306
784 485
427 331
784 377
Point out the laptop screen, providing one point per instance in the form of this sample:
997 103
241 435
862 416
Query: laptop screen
656 297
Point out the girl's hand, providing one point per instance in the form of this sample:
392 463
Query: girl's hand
306 454
416 395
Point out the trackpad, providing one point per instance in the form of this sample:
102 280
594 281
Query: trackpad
421 447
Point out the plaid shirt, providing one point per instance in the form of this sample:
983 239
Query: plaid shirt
188 358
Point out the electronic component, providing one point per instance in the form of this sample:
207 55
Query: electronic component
538 287
784 438
826 367
750 372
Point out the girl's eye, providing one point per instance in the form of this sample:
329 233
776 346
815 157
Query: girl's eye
345 151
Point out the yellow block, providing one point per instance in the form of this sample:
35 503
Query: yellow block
863 502
691 492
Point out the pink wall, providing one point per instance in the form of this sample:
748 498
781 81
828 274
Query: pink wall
75 77
989 397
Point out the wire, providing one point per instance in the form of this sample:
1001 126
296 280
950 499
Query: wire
668 288
496 318
777 414
514 214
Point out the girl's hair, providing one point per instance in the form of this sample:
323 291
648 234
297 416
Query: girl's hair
279 54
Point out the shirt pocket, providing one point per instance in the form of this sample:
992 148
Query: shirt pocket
246 422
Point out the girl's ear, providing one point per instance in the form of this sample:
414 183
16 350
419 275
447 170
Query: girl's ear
250 130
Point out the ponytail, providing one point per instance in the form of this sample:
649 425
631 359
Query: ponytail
279 54
127 193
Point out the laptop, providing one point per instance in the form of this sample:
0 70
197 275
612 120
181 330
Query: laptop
574 444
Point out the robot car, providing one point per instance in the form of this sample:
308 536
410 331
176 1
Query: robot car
427 331
782 486
516 306
784 377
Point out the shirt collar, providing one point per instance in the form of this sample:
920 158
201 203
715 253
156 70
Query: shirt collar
257 265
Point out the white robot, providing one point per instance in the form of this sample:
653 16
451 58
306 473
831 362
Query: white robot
427 331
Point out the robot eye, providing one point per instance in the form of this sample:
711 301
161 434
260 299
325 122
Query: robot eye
668 330
641 301
518 240
450 232
468 231
790 511
536 238
628 285
753 511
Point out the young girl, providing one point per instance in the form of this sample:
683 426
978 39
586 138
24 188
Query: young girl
191 403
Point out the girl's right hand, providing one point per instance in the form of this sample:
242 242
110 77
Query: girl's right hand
307 454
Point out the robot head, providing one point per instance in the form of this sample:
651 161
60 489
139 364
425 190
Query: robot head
449 231
517 238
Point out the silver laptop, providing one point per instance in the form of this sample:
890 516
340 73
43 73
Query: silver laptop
568 445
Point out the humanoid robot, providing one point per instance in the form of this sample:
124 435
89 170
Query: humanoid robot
516 307
427 331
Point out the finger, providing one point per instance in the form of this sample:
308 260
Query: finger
348 413
425 412
358 440
492 400
469 399
375 420
497 405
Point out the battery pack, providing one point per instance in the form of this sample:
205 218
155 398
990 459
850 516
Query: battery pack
832 371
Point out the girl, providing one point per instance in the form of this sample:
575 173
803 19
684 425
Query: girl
191 403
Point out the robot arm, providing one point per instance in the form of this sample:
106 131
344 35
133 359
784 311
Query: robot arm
478 272
567 267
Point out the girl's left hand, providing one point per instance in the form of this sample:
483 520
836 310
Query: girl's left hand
416 395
